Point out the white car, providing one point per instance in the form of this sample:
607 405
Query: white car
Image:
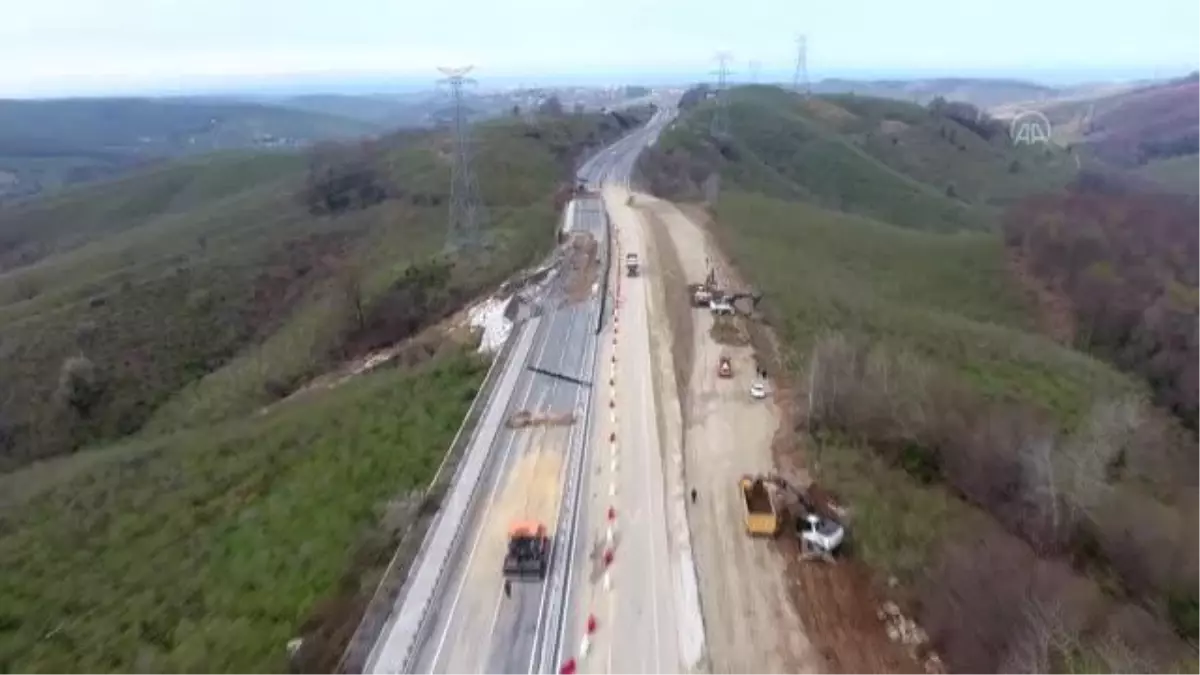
758 389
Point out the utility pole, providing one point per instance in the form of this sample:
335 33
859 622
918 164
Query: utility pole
467 212
800 77
720 120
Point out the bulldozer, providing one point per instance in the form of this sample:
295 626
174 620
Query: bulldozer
528 554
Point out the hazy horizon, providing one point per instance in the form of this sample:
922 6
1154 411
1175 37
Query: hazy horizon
360 84
58 48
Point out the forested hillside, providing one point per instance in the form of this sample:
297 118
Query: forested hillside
957 316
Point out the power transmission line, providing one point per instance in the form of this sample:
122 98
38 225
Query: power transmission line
800 77
467 212
720 119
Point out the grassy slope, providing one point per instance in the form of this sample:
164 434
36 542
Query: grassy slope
519 172
898 280
885 159
208 548
944 298
201 551
163 279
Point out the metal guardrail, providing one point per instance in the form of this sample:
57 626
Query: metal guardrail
456 540
384 600
608 262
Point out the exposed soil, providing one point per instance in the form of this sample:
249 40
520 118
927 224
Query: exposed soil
729 330
750 622
838 604
581 265
679 311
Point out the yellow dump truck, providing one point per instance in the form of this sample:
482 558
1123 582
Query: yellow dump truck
761 518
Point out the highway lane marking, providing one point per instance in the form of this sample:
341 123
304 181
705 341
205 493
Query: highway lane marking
538 628
490 503
591 347
570 592
512 440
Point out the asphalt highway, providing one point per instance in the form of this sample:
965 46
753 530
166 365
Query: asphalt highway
532 473
474 627
635 601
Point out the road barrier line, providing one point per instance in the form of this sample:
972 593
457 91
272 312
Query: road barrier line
497 372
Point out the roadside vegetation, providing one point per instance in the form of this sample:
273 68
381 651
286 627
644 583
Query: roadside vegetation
164 506
203 550
1037 510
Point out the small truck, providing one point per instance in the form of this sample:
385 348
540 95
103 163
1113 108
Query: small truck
761 517
528 554
724 367
632 264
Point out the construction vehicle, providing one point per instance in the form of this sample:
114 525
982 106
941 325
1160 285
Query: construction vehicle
761 517
724 367
819 532
699 294
720 306
702 294
819 537
528 554
631 264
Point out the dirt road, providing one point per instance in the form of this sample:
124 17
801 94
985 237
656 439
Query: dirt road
750 622
837 604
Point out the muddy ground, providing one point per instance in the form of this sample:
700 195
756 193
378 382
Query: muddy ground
581 266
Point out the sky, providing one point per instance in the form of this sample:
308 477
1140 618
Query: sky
67 47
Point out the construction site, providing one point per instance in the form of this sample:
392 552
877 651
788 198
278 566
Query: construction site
778 583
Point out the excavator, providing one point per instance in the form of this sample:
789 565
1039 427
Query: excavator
718 300
528 554
819 533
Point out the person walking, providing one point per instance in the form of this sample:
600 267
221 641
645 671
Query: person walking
507 588
693 495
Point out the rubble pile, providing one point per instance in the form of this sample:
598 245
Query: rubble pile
914 638
525 418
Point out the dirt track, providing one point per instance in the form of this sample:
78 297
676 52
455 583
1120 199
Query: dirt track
764 609
750 623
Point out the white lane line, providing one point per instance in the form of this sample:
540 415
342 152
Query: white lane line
437 654
539 627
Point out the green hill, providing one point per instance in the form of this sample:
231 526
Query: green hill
918 167
48 144
982 460
156 510
162 278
